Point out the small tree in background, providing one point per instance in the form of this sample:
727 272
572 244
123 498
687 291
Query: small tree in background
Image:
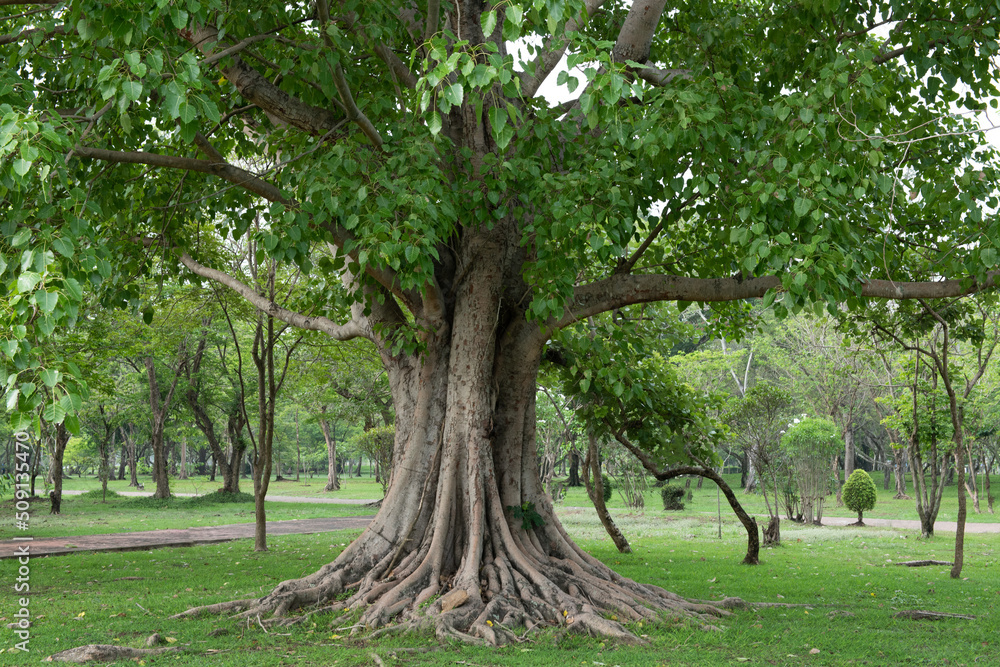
377 444
810 444
859 493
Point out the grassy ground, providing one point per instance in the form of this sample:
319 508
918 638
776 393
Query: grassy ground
845 575
704 501
89 515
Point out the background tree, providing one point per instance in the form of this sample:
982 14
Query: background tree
756 422
809 444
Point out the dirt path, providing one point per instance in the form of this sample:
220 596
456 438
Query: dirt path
156 539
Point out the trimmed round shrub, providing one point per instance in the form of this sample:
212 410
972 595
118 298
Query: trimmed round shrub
859 493
672 497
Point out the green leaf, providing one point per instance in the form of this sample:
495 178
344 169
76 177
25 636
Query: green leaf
412 253
434 124
63 246
454 94
27 281
802 206
50 377
54 413
147 315
988 256
21 166
488 21
780 163
132 90
46 300
21 238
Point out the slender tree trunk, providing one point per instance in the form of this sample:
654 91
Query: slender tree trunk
159 408
182 471
333 482
849 452
596 492
899 467
298 447
61 437
574 468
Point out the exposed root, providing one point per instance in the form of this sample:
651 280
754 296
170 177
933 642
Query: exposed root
106 653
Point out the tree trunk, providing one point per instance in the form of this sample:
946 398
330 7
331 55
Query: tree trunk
848 453
596 492
159 409
899 468
59 440
574 468
182 471
772 533
465 456
332 481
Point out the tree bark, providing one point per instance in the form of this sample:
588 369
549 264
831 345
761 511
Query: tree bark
159 409
332 481
596 492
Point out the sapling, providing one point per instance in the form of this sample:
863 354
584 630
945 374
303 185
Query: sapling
859 493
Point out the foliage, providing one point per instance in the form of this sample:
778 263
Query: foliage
859 492
672 497
608 486
527 514
810 444
377 445
756 421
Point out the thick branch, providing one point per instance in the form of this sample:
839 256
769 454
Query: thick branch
24 34
223 170
636 35
261 92
338 331
552 52
623 290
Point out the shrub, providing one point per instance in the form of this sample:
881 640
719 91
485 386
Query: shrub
672 496
859 493
606 483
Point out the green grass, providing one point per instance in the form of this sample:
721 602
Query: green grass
88 515
886 507
94 598
362 488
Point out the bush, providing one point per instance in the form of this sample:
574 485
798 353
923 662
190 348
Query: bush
859 492
606 484
672 496
98 494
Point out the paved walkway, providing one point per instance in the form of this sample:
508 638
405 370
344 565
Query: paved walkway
155 539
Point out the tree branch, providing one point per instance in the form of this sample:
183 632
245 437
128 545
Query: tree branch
552 52
621 290
338 331
354 114
223 170
636 35
261 92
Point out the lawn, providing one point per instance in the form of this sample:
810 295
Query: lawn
846 576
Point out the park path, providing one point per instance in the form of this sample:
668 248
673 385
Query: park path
156 539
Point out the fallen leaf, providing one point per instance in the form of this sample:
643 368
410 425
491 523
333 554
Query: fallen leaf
813 651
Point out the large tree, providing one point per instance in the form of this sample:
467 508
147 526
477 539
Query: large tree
715 152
